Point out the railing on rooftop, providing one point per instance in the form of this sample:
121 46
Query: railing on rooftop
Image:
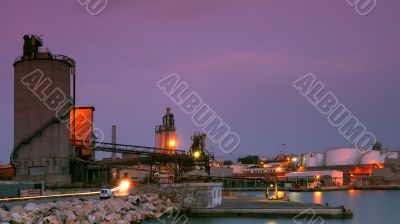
50 56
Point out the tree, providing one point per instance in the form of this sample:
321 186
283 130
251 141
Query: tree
251 159
228 162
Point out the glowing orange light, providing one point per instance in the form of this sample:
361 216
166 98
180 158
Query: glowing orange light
279 169
123 188
124 185
172 143
318 177
196 154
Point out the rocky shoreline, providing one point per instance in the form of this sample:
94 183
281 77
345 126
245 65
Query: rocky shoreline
131 208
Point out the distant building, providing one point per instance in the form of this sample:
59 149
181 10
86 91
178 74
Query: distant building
324 177
221 172
6 172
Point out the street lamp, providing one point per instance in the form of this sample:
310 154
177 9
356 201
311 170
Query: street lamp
196 154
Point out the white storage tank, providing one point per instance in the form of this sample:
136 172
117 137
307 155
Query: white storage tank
372 157
343 156
389 155
313 159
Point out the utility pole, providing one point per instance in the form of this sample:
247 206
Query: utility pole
283 148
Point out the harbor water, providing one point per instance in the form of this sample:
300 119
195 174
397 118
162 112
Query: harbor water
369 207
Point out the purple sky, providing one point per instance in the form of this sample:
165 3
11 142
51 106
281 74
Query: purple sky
241 57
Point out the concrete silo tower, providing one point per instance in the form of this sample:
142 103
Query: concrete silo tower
42 98
166 133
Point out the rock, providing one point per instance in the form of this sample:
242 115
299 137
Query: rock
31 218
68 216
158 215
114 205
169 210
148 206
17 209
83 210
4 215
96 217
31 207
161 207
44 208
16 218
133 208
128 217
51 220
150 198
128 205
133 199
113 217
143 198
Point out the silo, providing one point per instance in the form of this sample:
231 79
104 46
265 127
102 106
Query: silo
313 159
42 83
372 157
165 134
388 155
343 156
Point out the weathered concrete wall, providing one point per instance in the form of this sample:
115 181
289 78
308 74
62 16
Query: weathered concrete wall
46 156
12 188
189 195
199 195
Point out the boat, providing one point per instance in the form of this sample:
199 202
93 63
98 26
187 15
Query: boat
277 195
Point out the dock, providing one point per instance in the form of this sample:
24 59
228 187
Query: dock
255 206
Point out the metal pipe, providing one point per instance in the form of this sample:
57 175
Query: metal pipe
114 141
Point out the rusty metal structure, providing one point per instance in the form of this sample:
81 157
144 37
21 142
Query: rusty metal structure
165 134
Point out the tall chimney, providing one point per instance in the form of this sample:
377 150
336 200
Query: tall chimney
114 141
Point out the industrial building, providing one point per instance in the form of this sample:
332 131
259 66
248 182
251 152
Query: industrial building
54 142
315 178
346 157
357 165
53 138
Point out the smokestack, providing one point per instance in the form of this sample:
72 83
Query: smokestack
114 141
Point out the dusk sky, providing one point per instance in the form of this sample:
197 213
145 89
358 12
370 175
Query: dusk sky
241 57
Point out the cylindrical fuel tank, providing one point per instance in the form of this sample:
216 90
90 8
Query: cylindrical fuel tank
343 156
371 157
313 159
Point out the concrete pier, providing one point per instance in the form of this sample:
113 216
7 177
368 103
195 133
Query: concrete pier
253 206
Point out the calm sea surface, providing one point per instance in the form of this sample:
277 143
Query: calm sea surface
369 207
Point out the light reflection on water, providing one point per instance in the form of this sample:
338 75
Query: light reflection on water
318 197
